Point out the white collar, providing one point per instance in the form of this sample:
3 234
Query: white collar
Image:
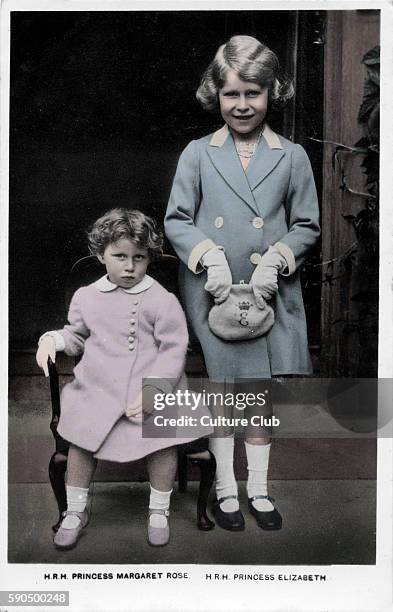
104 284
219 137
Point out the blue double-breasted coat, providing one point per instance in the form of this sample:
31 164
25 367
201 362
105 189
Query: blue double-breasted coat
273 202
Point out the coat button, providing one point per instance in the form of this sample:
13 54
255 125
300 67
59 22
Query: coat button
132 332
255 258
257 222
219 222
133 311
131 348
136 303
132 321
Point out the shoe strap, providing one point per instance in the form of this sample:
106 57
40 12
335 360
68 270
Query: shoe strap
72 513
268 497
158 511
71 524
222 499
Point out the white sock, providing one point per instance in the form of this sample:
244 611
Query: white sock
76 498
257 465
159 500
76 502
222 449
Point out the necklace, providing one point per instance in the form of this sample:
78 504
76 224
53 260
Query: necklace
247 149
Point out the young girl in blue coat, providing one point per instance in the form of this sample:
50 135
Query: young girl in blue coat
243 207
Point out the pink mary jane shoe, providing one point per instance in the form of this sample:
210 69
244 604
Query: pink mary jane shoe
158 536
70 529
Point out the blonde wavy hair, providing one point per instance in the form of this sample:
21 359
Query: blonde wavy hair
252 61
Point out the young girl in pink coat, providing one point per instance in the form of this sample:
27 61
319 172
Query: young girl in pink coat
127 328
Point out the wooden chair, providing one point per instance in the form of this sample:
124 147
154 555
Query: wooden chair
195 452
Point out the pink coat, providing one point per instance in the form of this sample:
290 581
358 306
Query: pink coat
124 337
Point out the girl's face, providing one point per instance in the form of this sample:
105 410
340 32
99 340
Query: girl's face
243 105
126 263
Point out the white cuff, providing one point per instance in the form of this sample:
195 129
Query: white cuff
58 338
197 252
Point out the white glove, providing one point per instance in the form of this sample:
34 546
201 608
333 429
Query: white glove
142 404
219 277
264 279
134 410
46 348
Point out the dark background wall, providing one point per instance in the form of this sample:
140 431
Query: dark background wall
102 103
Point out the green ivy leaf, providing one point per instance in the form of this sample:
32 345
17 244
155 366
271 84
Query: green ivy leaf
365 110
373 125
372 56
373 75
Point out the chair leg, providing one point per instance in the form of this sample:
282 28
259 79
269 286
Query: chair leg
57 470
208 470
182 469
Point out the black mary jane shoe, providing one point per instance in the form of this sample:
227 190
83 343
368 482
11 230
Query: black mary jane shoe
232 521
269 520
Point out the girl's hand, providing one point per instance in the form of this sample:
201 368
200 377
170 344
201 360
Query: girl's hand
135 409
264 280
219 277
143 404
46 348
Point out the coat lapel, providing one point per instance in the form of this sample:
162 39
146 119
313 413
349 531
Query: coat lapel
266 158
222 152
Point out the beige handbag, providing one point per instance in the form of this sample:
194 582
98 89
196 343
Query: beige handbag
239 317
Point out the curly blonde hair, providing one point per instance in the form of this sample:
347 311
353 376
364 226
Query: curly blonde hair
252 61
